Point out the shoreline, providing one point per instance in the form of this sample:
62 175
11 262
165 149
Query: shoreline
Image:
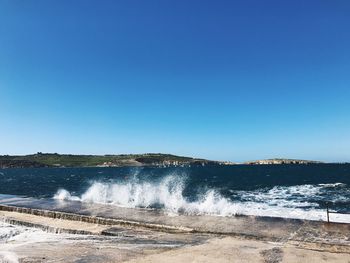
157 220
149 218
60 239
160 166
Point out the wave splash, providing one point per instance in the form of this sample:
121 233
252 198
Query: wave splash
167 194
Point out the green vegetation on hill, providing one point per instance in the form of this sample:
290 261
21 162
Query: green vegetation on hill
148 159
69 160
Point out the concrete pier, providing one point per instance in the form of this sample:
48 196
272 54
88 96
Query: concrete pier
150 232
250 226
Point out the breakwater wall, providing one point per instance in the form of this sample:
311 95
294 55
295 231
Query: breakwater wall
261 228
87 219
46 228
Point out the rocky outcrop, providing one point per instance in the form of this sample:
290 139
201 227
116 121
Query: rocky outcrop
282 161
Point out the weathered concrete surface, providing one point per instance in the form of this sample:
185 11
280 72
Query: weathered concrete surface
52 225
229 249
275 229
39 246
113 234
19 243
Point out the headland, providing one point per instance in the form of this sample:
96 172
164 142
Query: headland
42 160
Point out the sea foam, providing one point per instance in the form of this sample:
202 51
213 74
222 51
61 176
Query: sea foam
167 194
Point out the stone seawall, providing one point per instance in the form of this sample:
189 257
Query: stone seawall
46 228
113 234
262 228
87 219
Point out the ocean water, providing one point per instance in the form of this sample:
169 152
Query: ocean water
295 191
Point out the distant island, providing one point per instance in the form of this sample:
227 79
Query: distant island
149 159
282 161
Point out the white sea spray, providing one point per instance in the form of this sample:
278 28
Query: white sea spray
279 201
8 257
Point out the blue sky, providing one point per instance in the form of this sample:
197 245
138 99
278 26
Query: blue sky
229 80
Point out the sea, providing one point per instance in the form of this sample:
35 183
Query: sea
292 191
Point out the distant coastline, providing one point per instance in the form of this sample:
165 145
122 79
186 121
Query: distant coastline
69 160
39 160
283 161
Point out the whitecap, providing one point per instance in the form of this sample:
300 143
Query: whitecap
280 201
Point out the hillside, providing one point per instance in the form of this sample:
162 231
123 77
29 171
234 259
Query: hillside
69 160
149 159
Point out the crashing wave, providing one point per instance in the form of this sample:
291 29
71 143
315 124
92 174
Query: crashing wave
279 201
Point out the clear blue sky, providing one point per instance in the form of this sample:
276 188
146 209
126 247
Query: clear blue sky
231 80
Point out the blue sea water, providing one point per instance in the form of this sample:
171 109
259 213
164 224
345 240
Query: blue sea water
300 191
